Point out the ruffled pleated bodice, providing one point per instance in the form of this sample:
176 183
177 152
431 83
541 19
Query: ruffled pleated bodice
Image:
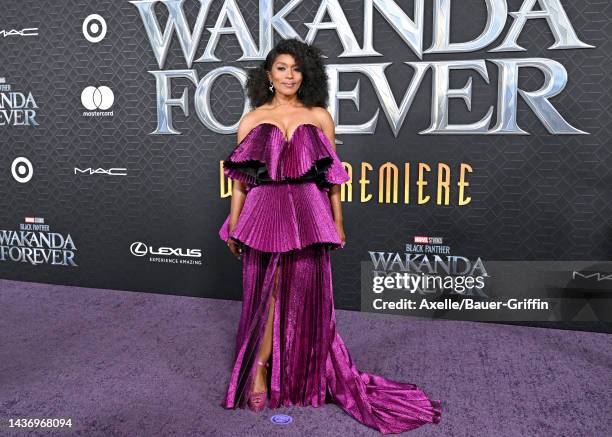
287 205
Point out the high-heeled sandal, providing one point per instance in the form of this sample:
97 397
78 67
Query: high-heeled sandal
258 400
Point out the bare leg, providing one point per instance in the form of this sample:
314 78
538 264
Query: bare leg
266 346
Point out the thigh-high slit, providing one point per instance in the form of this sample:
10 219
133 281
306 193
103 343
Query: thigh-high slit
310 364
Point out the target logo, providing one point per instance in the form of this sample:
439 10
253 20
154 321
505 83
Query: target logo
94 28
22 169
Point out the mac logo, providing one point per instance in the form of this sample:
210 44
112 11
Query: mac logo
116 171
598 276
28 31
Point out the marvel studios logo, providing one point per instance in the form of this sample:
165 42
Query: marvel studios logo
34 220
3 85
427 240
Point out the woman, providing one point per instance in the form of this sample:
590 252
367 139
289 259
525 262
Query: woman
284 219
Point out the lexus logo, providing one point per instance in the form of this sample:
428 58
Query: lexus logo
138 248
94 28
94 98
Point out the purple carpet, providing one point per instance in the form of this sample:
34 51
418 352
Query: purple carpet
124 363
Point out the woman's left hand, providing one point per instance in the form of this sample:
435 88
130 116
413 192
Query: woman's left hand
340 230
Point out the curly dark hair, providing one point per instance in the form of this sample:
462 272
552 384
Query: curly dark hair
312 92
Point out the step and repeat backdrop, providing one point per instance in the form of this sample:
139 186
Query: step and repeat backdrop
476 134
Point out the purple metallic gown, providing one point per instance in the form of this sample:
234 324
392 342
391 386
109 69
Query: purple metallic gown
287 221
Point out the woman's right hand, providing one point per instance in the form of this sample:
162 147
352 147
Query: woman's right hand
235 247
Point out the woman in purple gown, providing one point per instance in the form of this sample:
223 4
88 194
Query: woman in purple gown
284 220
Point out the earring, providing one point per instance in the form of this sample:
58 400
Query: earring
271 87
